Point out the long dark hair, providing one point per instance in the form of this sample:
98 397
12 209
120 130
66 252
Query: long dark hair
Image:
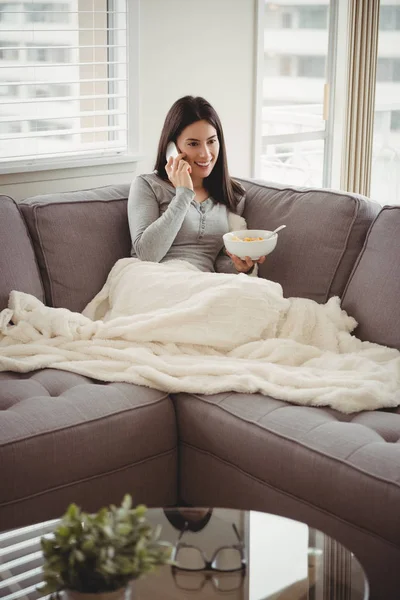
184 112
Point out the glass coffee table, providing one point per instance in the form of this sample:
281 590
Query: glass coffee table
248 555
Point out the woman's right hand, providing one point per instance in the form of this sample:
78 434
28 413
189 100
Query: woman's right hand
178 171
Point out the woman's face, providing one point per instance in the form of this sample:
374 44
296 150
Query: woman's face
199 141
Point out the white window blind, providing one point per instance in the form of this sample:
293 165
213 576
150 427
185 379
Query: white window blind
63 80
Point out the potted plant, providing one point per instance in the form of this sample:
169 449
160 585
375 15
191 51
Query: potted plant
96 556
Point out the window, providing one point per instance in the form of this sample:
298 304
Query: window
313 17
307 126
37 12
389 18
395 120
385 170
396 69
67 85
47 125
287 20
49 90
10 127
8 89
285 66
9 51
291 131
384 69
58 129
9 13
311 66
47 54
388 69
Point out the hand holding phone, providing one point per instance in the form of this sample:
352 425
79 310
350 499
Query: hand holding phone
177 169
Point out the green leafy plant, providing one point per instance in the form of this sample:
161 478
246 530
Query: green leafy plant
101 552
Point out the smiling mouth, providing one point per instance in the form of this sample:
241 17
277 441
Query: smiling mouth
203 165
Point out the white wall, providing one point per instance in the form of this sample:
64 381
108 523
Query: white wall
204 48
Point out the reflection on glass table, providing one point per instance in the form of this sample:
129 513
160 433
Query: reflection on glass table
222 581
246 555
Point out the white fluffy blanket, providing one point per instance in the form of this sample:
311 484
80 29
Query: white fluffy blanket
171 327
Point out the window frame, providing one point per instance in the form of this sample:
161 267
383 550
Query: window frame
131 154
335 94
334 103
343 123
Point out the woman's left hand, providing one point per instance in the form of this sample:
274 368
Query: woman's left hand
245 265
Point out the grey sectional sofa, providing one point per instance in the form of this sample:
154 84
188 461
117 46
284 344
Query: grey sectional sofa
66 438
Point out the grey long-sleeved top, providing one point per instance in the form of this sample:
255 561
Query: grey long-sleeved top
167 223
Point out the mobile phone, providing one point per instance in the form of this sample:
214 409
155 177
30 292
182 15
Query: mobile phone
172 150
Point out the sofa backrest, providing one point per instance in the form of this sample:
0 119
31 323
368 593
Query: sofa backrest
78 236
18 266
325 233
372 295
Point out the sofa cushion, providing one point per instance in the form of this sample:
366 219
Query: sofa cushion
372 295
64 438
325 233
18 266
317 455
78 237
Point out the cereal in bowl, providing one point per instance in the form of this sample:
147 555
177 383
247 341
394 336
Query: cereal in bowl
235 238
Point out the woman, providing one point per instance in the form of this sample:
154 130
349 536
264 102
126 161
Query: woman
182 210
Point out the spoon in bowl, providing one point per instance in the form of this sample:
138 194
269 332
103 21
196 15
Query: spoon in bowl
275 231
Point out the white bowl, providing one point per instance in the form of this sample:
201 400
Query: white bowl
253 250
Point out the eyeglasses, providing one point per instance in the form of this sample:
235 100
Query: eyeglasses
187 557
222 581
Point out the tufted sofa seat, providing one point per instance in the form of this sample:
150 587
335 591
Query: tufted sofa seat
312 454
65 437
338 472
